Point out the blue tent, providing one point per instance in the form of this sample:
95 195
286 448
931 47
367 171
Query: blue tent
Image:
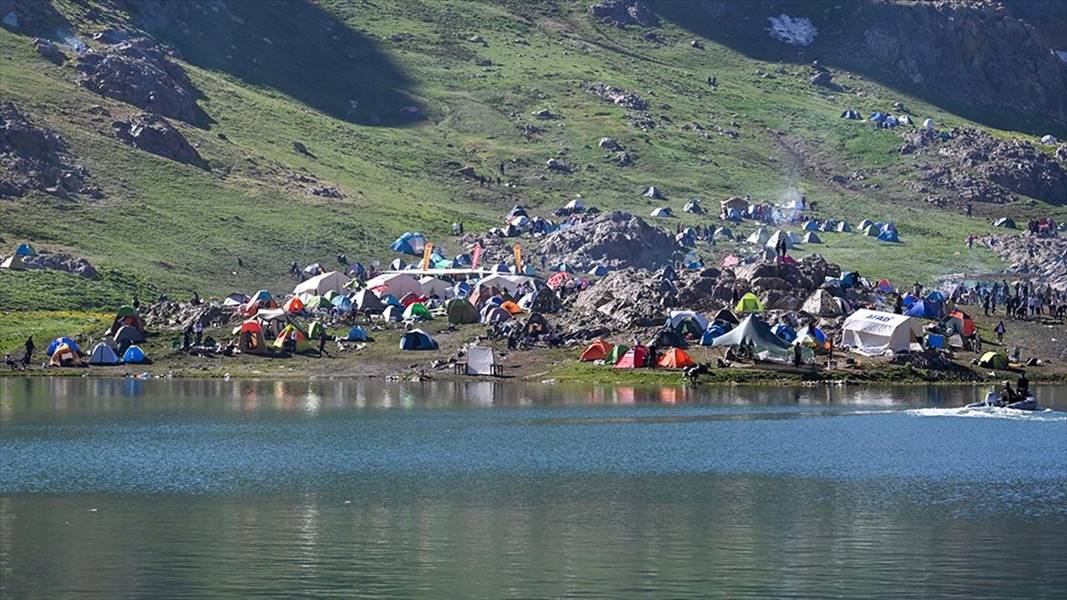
59 341
598 271
888 236
25 250
889 227
711 333
103 355
849 279
134 355
733 214
356 270
936 296
877 117
909 299
342 303
462 289
409 243
416 339
462 260
390 300
925 309
500 267
357 334
784 331
812 225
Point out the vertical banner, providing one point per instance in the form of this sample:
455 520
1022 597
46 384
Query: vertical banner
426 252
476 255
518 258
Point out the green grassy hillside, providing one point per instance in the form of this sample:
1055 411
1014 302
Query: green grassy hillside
273 73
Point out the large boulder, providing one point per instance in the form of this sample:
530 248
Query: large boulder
629 298
152 133
140 73
614 239
36 158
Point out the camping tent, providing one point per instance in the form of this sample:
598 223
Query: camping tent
1006 222
726 316
889 235
250 337
759 237
59 341
417 339
417 311
598 271
368 302
397 284
295 305
675 358
432 286
709 335
509 283
843 227
652 192
811 336
616 354
755 334
65 355
409 243
494 314
126 335
634 358
103 355
357 334
923 309
679 320
785 332
480 360
993 360
320 284
851 114
724 233
235 299
871 231
749 303
872 332
811 225
693 207
134 356
461 312
662 212
811 238
779 237
598 350
822 304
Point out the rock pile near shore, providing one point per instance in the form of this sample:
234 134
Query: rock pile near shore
1045 259
616 240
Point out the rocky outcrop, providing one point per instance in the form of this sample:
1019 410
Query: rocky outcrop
629 298
140 73
49 50
978 167
1044 260
618 96
152 133
57 261
620 13
36 158
984 52
615 240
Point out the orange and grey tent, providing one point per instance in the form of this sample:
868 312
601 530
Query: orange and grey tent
634 358
511 307
675 358
294 305
598 350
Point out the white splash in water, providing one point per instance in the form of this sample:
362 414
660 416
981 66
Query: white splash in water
992 412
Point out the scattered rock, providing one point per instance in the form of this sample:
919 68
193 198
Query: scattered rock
623 159
176 316
545 114
49 50
697 44
300 148
620 13
140 73
557 165
57 261
618 96
1044 260
326 191
822 79
609 144
36 158
152 133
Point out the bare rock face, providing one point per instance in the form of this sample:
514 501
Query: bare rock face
1044 259
615 240
620 13
982 168
152 133
618 96
630 298
61 262
140 73
36 158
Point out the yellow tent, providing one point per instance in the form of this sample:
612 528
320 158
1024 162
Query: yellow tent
749 303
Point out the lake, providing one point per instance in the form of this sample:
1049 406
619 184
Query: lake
362 488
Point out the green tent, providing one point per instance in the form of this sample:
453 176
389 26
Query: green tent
993 360
749 303
461 312
617 352
316 330
417 312
317 302
126 311
329 296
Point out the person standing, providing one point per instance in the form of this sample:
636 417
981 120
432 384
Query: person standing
999 330
30 347
322 342
198 331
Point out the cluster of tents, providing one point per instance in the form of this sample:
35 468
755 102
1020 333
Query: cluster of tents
886 232
119 346
15 262
885 120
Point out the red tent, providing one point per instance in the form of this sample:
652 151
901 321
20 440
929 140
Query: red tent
635 358
557 280
598 350
411 298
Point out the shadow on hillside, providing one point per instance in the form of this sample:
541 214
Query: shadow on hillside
743 27
294 47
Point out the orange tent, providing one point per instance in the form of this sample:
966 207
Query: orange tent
511 307
598 350
294 305
675 358
968 324
64 356
633 359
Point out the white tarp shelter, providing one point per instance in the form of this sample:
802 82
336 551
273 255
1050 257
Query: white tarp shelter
397 284
320 284
480 360
873 332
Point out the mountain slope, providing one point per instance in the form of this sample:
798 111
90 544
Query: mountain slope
391 99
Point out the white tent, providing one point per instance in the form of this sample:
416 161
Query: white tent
778 237
397 284
811 238
320 284
480 360
510 283
759 236
677 316
576 204
432 286
873 332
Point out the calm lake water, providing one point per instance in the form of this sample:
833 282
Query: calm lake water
211 489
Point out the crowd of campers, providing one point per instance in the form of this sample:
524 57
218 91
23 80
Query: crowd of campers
514 300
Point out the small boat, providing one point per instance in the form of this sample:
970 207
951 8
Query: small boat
1028 403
